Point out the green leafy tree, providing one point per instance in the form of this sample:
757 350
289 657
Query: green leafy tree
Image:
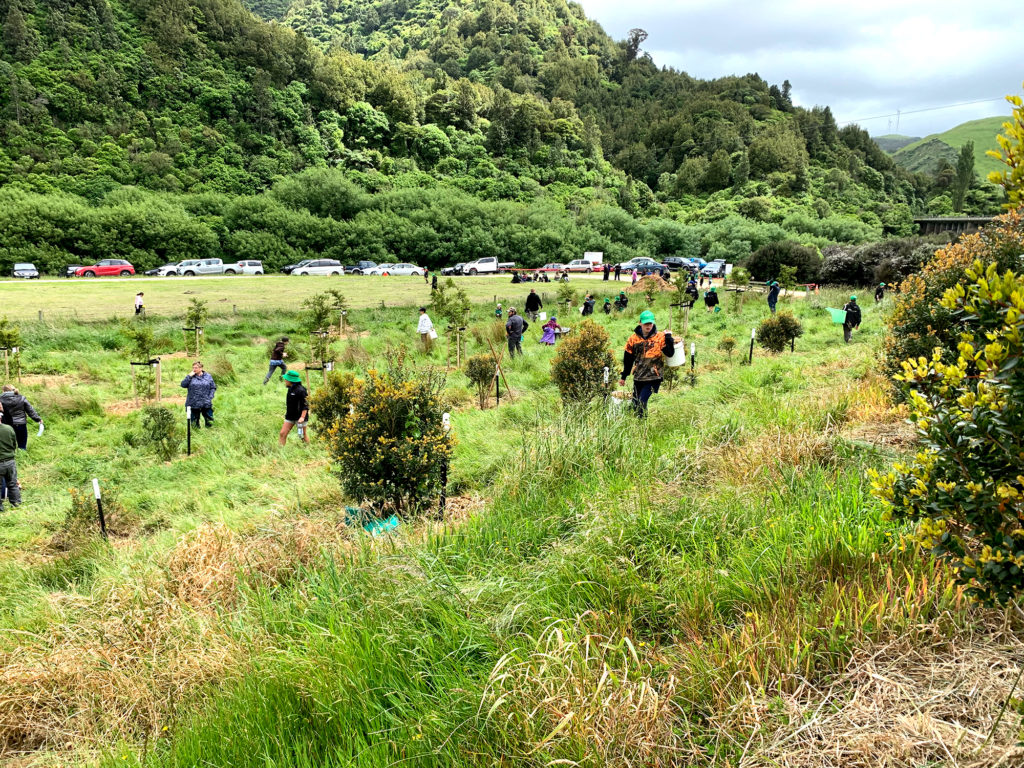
778 331
964 175
480 372
963 487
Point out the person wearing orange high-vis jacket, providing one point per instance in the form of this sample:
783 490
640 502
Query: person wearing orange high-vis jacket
644 358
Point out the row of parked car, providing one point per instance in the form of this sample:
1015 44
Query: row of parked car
334 267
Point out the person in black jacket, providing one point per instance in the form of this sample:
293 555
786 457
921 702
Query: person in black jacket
515 327
588 305
17 411
533 305
880 293
711 299
852 309
296 408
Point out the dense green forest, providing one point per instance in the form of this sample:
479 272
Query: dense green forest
163 129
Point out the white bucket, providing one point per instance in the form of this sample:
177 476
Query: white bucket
678 357
542 317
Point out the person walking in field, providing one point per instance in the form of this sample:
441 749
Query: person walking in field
607 270
296 408
17 411
8 465
880 293
425 329
277 356
634 277
618 271
711 299
533 305
201 389
644 359
852 323
515 327
773 295
139 304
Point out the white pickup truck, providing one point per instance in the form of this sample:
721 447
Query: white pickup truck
486 264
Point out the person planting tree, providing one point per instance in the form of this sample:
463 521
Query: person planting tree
201 389
644 359
296 408
277 356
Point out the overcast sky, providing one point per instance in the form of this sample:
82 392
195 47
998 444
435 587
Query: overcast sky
864 58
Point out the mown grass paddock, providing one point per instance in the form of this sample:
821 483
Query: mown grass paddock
712 587
83 299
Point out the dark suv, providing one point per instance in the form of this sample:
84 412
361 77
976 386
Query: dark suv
361 268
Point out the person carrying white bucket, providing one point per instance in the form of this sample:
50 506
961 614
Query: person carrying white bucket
644 357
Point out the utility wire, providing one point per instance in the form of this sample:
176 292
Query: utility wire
925 109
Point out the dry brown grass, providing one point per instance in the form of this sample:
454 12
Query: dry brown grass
900 704
767 455
116 663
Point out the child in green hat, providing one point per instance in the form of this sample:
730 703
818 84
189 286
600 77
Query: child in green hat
296 408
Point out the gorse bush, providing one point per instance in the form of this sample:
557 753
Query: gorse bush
480 371
160 432
389 450
776 332
330 403
578 367
920 321
964 485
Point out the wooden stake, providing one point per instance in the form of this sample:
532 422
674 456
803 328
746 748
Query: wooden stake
497 362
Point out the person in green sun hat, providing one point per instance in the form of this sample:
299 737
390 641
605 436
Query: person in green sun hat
852 310
880 292
296 408
644 358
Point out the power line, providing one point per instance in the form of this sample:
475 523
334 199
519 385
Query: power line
899 113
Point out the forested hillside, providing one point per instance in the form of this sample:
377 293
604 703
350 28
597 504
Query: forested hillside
203 109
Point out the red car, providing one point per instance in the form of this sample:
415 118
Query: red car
106 268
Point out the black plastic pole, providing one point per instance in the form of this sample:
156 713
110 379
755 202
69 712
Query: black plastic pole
750 361
99 506
188 430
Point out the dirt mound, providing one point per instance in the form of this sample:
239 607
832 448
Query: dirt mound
651 281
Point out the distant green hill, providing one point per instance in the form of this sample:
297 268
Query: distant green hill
894 141
923 155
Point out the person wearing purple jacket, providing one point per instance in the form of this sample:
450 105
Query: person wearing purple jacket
201 389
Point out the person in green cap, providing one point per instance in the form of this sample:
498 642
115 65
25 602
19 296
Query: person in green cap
296 408
643 357
621 302
879 292
607 306
852 310
711 298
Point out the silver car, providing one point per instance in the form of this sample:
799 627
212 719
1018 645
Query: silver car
320 267
401 270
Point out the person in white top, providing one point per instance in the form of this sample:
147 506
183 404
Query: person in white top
138 303
425 330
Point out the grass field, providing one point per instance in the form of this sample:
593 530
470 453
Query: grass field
982 132
82 299
713 586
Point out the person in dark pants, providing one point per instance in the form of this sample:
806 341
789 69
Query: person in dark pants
880 293
621 302
515 327
607 306
644 358
588 305
139 305
296 408
277 357
711 299
607 270
201 389
773 295
618 271
17 412
533 304
852 309
433 282
9 485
